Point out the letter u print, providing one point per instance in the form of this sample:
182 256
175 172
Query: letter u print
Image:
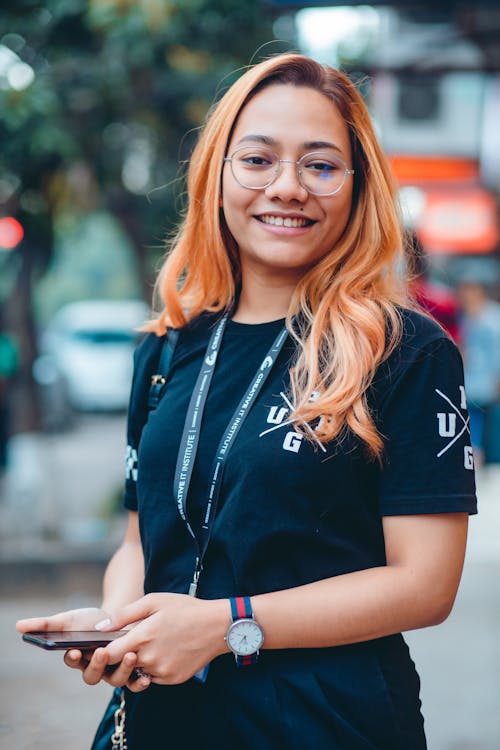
447 424
276 414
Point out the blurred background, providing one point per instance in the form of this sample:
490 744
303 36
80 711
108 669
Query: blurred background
100 102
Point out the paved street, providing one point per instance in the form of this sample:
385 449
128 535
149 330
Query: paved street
45 706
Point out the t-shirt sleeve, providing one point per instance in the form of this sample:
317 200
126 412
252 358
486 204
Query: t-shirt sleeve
146 357
428 463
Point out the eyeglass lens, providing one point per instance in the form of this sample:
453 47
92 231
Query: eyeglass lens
320 173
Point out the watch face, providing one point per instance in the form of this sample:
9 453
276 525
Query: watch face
244 637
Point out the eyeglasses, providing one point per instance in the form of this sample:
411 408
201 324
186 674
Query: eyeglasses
320 173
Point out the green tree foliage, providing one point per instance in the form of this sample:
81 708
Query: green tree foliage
119 87
99 105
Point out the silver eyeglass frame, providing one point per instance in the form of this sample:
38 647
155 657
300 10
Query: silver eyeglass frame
277 171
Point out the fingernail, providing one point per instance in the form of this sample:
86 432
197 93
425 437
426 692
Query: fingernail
102 624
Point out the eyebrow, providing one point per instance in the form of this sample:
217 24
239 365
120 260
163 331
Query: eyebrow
309 145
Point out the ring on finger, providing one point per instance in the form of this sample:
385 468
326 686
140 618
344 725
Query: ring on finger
138 672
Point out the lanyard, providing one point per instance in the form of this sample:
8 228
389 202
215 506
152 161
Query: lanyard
191 435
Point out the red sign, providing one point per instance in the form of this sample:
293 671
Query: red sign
462 220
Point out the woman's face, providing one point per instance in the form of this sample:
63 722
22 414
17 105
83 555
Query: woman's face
290 121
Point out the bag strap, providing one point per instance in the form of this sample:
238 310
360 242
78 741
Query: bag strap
118 738
159 380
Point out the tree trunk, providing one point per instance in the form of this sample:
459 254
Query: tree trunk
25 411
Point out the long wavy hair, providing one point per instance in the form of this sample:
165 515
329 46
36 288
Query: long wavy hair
345 312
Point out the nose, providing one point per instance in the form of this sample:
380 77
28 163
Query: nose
287 186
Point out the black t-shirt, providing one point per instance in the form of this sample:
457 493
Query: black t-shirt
292 512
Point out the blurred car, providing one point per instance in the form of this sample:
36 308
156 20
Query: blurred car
91 344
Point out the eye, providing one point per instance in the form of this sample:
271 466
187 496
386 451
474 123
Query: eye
321 164
255 159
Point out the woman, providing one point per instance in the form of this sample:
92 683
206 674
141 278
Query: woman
324 508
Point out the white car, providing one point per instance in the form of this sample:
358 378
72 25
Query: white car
91 344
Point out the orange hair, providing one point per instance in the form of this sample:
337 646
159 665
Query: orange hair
346 306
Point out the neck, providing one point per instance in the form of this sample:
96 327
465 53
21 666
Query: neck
263 298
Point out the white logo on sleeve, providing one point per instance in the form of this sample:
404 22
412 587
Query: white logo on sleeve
468 457
131 467
450 428
447 424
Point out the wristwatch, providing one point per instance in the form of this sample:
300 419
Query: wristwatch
244 636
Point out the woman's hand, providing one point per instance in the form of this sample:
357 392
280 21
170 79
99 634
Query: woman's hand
94 666
177 636
73 619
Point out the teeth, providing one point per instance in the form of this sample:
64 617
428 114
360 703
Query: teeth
279 221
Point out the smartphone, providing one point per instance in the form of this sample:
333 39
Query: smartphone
62 640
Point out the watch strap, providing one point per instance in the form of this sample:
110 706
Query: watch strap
245 661
241 608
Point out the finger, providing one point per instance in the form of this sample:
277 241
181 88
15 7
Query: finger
140 683
30 624
133 612
77 659
74 659
95 669
123 674
117 649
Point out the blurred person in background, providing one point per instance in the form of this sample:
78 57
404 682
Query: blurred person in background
480 344
8 368
300 494
438 300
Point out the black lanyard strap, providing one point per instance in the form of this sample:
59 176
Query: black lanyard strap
191 434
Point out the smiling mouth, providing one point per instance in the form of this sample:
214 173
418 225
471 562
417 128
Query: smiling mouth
285 221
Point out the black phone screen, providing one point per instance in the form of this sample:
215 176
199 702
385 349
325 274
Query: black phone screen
85 640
